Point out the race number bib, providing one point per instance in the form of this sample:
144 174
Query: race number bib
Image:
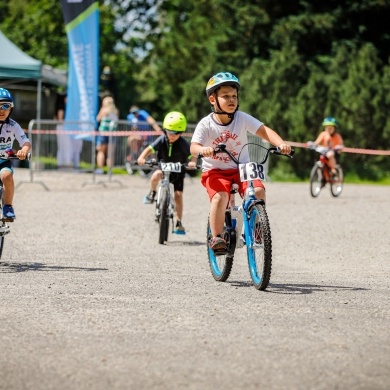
171 167
251 171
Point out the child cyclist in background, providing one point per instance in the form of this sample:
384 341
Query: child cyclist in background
170 147
331 140
229 126
9 131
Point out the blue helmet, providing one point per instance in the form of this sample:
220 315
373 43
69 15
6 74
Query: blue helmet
330 121
220 79
5 96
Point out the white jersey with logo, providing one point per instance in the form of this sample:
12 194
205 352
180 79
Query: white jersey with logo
9 132
210 133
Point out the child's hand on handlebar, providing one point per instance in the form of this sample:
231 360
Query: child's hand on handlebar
191 165
21 154
207 151
141 161
284 148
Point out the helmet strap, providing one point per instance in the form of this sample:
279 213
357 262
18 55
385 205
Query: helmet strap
220 112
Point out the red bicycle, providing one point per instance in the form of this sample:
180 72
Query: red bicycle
321 174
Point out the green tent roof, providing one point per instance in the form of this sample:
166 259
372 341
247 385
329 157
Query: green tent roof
14 63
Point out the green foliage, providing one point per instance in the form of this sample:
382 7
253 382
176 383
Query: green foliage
298 61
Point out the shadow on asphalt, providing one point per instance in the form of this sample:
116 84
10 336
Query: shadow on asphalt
296 288
22 267
188 243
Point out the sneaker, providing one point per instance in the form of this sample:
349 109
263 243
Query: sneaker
8 213
99 171
149 199
128 168
179 228
218 244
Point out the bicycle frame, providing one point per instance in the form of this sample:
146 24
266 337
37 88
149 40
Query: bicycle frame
164 183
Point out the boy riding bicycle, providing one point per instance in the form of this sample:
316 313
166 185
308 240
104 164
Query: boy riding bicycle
170 147
229 126
9 131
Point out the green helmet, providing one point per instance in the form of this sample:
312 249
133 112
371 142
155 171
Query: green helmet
329 121
175 121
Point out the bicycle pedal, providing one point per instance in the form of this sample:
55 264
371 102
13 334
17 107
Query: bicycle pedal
220 252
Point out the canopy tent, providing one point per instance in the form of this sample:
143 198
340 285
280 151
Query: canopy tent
17 65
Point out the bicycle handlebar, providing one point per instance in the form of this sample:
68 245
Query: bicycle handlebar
155 163
221 148
9 154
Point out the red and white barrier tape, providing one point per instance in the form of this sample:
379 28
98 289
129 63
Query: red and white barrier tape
151 132
348 150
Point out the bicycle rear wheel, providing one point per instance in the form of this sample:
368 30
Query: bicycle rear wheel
220 265
164 216
337 182
316 181
259 246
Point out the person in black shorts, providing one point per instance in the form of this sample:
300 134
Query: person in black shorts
170 147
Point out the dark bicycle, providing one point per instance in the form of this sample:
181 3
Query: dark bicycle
8 154
165 199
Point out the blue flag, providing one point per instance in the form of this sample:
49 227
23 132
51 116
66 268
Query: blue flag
82 28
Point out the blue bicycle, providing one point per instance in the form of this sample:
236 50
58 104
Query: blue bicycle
245 225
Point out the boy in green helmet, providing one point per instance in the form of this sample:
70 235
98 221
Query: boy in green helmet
170 147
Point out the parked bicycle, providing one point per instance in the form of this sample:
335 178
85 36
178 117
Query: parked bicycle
4 227
321 174
165 200
245 225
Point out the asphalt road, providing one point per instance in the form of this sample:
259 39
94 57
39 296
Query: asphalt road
90 300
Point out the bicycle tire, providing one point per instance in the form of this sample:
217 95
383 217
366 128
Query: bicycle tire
2 222
337 183
1 245
259 246
221 265
164 216
316 181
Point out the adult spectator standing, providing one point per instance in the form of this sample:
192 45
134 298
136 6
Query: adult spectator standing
139 120
64 141
105 151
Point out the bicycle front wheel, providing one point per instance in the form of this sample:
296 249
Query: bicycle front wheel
337 182
164 216
3 226
1 245
316 181
259 246
220 265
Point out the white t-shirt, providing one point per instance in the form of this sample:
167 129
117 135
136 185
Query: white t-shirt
9 132
234 135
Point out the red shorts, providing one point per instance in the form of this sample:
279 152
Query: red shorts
218 180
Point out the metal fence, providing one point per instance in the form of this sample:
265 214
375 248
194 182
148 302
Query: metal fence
72 145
